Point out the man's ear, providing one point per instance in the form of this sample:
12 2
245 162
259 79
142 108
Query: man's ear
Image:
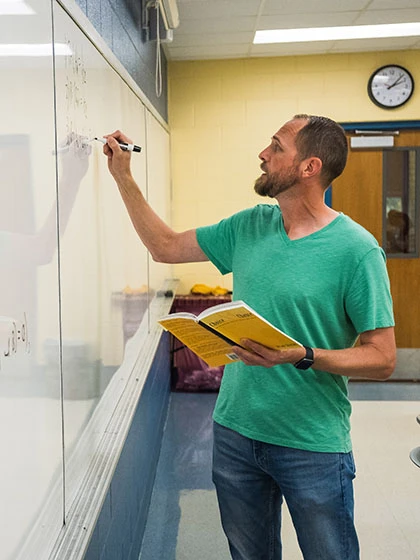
311 166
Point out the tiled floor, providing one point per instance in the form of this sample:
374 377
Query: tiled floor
183 522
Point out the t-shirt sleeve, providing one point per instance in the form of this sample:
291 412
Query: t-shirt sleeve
368 301
219 241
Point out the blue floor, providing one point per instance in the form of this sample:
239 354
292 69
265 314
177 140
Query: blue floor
185 459
184 464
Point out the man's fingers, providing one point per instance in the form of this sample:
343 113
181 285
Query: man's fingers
112 143
107 150
119 137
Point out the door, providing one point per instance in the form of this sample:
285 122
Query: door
380 190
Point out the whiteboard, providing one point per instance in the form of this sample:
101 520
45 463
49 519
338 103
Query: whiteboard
76 283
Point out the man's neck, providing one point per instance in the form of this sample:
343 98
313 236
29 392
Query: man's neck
302 216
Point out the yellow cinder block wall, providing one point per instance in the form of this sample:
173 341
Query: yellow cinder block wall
222 113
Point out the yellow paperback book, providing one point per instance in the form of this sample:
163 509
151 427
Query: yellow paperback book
212 333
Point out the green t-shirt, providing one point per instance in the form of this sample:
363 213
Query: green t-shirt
323 290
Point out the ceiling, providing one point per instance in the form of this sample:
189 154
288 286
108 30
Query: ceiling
211 29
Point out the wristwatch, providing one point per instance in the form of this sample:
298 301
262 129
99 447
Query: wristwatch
307 361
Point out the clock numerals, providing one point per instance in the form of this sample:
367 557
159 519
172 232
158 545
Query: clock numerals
390 86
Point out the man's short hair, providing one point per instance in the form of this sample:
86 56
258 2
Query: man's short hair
323 138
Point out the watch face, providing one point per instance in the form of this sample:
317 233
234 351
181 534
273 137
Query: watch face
390 86
304 363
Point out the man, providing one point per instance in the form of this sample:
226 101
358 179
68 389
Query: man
282 417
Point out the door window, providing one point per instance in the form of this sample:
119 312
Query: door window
401 180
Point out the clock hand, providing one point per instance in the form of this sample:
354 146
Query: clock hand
397 81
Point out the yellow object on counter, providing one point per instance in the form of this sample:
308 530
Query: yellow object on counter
204 290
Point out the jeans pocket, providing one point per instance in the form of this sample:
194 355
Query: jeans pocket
348 467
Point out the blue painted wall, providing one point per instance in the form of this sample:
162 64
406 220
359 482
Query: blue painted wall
119 531
119 23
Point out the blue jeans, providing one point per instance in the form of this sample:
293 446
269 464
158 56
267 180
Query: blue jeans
251 479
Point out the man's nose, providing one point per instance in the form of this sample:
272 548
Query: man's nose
263 155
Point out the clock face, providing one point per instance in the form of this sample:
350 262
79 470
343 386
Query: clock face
390 86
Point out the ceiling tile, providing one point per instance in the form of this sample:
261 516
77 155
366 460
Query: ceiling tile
209 52
296 21
371 17
225 28
392 43
311 6
215 25
393 4
288 49
210 39
202 9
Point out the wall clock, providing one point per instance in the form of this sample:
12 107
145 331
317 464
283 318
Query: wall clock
390 86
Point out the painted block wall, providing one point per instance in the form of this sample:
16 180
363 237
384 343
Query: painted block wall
222 113
120 25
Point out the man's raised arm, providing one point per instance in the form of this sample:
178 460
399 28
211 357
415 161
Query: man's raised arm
165 245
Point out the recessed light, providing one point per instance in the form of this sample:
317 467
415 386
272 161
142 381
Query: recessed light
304 35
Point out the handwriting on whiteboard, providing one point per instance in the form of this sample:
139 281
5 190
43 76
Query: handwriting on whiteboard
76 79
14 336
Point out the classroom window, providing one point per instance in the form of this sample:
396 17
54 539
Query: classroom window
401 180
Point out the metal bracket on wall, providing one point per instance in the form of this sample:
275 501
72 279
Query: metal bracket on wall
145 16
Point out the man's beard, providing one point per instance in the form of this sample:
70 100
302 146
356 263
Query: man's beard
273 184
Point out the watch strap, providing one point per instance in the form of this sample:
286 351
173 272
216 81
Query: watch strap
307 361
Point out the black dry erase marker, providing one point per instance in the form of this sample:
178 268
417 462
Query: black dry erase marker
122 145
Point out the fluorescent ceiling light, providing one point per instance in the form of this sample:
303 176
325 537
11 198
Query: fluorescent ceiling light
15 8
337 33
60 49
